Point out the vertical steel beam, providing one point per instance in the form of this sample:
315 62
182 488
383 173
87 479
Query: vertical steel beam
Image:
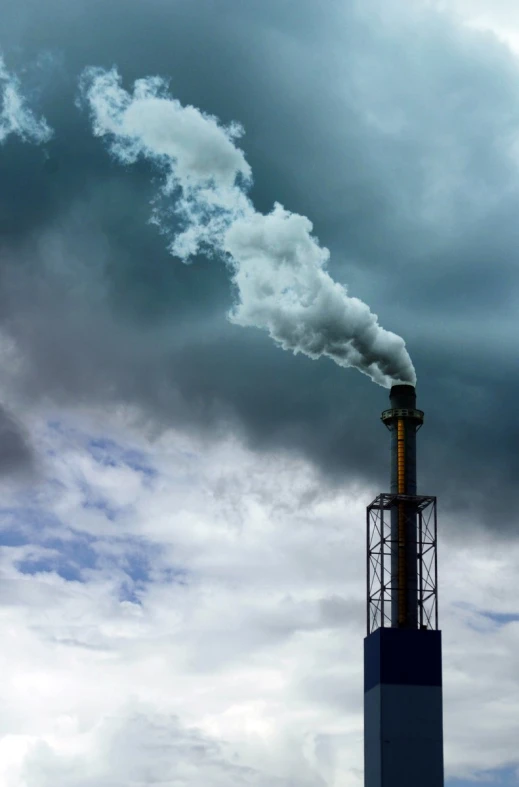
382 576
368 567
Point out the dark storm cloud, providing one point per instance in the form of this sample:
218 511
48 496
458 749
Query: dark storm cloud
15 452
390 127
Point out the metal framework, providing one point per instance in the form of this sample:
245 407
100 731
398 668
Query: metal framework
380 547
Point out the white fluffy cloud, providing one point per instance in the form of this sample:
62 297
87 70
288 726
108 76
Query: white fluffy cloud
219 643
193 613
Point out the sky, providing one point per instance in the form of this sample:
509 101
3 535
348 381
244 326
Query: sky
184 471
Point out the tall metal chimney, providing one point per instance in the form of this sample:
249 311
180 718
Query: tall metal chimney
403 706
403 420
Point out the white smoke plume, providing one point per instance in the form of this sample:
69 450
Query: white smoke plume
277 265
15 117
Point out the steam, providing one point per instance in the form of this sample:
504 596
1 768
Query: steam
15 117
277 265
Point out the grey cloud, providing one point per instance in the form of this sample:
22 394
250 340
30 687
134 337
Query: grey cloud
392 128
16 453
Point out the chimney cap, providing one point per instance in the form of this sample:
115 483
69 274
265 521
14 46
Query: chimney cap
403 405
403 396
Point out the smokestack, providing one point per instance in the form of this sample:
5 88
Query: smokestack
403 701
403 421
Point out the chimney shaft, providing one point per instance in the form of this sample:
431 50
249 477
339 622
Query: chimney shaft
403 421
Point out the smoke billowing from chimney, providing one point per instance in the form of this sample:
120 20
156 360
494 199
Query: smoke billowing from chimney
277 265
15 116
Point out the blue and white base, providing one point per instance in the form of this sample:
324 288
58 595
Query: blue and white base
403 709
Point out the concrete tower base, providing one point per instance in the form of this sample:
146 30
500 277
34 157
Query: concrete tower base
403 709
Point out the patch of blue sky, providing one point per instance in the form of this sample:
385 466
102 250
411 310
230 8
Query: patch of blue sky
136 566
56 564
129 592
141 560
142 565
135 563
502 618
108 452
78 549
13 537
177 576
482 619
97 503
76 556
20 524
41 493
68 555
503 777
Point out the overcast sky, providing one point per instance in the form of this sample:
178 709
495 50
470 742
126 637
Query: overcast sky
182 520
